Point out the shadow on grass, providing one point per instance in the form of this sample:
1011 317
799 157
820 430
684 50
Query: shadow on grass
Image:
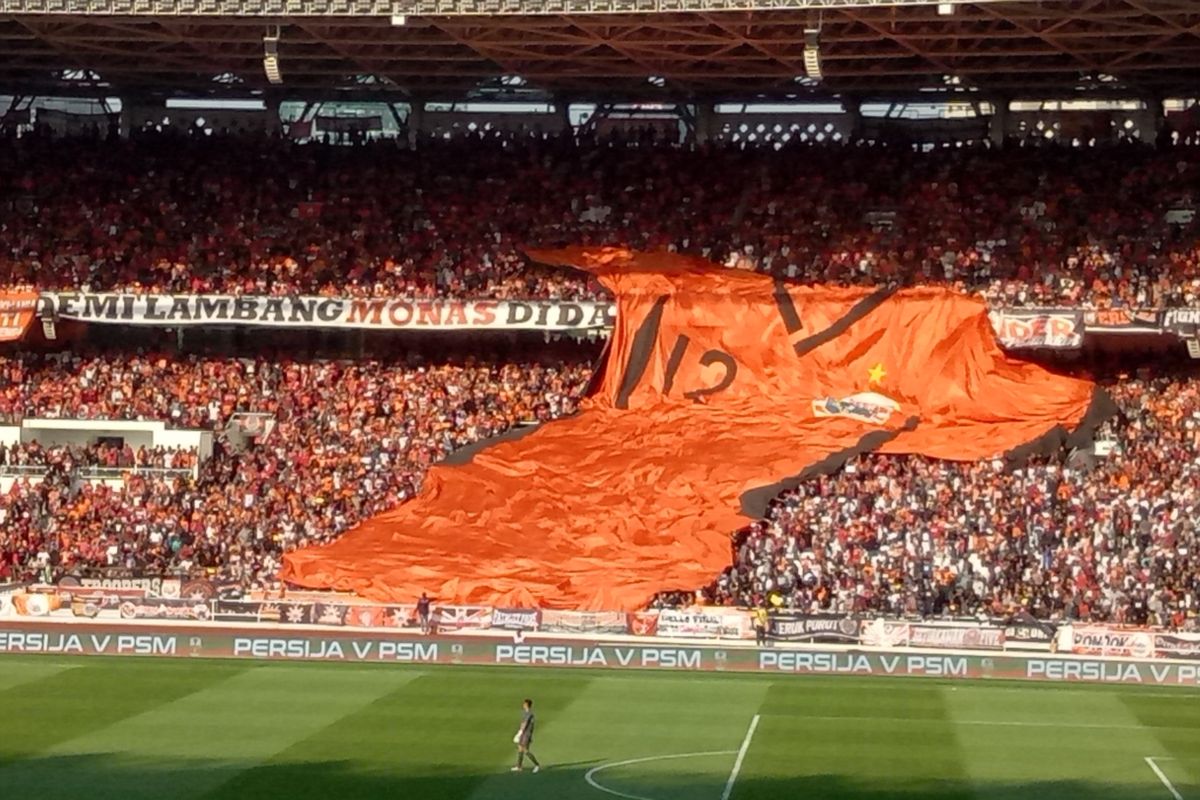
116 777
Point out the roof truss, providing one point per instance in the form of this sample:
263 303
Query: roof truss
1143 47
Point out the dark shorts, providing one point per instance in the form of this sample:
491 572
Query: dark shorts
526 743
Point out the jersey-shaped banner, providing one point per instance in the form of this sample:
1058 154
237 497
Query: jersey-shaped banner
719 389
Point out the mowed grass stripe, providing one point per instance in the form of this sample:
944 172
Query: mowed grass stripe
70 703
15 672
613 720
1086 763
184 747
864 747
1177 735
438 737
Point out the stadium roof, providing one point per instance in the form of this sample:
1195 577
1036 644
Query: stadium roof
632 49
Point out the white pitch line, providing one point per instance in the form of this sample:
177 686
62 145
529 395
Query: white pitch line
592 782
994 723
1165 780
737 765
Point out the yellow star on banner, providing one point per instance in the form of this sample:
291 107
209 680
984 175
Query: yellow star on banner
877 373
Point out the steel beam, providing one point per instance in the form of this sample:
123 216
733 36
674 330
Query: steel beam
275 9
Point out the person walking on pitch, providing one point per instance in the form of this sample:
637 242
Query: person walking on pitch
423 613
524 739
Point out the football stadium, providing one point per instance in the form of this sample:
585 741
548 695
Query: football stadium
591 399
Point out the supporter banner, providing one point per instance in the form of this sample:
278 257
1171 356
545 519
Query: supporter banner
957 637
1122 320
157 608
125 580
7 590
329 312
244 610
296 613
90 602
1183 322
1179 645
814 628
515 619
90 606
885 633
704 623
462 617
583 621
643 623
720 386
209 642
1029 630
1043 328
342 614
17 310
1098 640
380 616
36 604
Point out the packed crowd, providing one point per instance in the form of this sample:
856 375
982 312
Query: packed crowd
350 440
1112 538
1023 226
33 457
1105 538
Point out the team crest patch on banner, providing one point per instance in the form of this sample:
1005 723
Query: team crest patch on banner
870 407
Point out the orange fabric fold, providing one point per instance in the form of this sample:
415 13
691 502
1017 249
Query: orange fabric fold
717 383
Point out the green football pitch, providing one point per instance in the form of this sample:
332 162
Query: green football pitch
95 728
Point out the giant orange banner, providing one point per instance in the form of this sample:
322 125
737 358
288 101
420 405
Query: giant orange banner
718 390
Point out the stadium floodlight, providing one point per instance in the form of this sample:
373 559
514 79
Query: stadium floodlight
812 53
945 9
399 20
271 55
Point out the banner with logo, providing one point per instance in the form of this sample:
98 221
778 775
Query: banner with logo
296 613
362 616
515 619
457 618
164 640
328 312
704 623
36 604
886 633
161 608
828 628
7 590
1100 640
244 610
1183 322
583 621
17 310
643 623
1026 629
1122 320
123 579
1177 645
90 602
958 637
1057 329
